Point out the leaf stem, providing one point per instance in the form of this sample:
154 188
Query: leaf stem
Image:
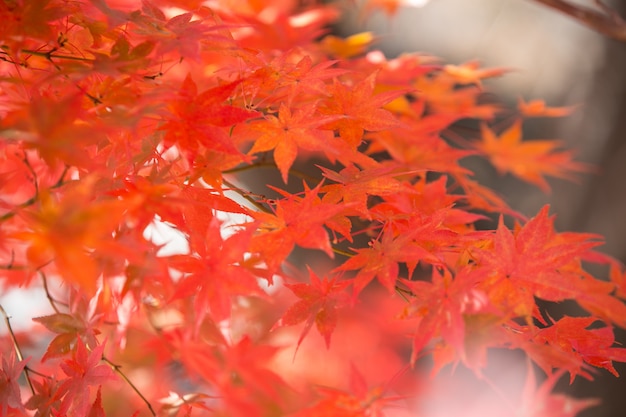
117 369
343 252
403 292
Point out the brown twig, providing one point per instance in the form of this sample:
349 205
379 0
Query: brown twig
34 198
52 300
16 346
605 20
117 369
246 196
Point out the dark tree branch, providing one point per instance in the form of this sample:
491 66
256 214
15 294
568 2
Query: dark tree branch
603 20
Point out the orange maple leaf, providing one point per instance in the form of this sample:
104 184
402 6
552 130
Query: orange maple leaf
538 108
349 47
59 129
290 131
359 109
471 73
417 144
68 231
527 160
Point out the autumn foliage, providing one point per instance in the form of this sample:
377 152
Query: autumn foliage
329 260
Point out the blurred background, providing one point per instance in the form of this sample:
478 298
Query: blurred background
556 59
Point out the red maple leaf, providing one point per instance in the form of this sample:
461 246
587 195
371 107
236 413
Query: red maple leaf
82 370
215 273
443 97
270 82
123 57
96 409
202 119
441 307
280 29
420 242
239 371
354 185
307 78
244 377
185 33
536 261
69 329
428 198
539 401
358 401
10 393
36 20
298 220
570 344
45 398
319 303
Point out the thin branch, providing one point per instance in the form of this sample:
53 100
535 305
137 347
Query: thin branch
50 55
61 179
33 199
33 173
11 266
245 195
10 214
265 164
117 369
51 299
605 20
16 346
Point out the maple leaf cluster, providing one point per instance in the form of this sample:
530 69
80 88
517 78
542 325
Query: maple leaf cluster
121 118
